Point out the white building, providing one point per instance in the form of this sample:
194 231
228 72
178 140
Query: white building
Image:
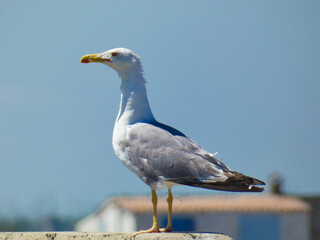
243 217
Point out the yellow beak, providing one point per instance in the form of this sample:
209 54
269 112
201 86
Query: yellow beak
92 58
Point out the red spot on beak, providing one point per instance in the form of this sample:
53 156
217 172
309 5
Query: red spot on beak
108 60
86 61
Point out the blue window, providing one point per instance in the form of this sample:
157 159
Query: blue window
259 226
180 223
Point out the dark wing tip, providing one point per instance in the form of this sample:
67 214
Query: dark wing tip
255 189
228 185
258 182
240 178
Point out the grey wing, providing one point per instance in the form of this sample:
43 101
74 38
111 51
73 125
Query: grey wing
161 155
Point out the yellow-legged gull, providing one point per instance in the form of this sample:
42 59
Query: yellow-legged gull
159 154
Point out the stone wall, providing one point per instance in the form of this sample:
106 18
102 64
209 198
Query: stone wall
109 236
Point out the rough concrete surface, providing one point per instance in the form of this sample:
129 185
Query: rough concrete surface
109 236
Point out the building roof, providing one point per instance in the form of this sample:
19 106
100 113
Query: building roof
216 203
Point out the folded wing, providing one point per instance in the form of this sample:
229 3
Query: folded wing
162 154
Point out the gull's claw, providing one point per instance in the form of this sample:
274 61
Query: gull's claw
167 229
154 229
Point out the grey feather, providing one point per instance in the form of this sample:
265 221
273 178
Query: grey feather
160 155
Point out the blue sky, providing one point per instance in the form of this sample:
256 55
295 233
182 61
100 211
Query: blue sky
241 78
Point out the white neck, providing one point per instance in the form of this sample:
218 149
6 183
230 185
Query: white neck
134 105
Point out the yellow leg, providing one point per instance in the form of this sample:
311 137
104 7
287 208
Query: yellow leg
169 225
155 226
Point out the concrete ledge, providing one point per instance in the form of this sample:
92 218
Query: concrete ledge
109 236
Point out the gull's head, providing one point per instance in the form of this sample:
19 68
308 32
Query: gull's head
123 60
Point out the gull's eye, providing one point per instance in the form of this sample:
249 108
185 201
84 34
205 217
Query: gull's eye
114 54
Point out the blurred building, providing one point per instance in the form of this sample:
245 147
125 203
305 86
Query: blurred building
243 217
314 202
